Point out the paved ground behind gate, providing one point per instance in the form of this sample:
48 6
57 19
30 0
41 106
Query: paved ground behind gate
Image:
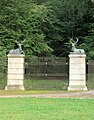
87 94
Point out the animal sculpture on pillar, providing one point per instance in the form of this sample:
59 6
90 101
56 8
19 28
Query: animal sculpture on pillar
18 50
74 49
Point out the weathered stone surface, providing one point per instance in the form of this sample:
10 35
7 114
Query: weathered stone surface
15 75
77 72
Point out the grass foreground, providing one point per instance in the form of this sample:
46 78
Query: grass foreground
46 109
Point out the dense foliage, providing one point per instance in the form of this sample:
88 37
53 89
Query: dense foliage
45 26
22 21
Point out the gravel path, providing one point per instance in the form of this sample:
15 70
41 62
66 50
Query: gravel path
87 94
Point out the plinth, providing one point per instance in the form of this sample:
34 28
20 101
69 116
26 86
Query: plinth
77 72
15 73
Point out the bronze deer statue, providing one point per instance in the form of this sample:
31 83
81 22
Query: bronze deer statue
18 50
74 49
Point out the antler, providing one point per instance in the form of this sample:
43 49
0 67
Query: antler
19 42
74 42
77 40
16 42
71 39
23 41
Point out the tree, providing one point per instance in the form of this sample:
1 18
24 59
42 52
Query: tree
22 21
72 19
47 25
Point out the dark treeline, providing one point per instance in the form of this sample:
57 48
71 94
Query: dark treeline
45 26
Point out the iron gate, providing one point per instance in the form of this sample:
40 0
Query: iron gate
46 67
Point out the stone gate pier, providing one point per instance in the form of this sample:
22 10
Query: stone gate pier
15 73
77 72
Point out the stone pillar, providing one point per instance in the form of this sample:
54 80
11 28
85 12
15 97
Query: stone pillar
15 73
77 72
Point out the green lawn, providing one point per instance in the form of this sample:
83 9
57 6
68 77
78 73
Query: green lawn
46 109
31 84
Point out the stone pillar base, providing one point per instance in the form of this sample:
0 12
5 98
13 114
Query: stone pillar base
77 72
77 88
14 87
15 77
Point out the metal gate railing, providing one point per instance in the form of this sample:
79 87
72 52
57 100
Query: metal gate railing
90 74
47 68
3 73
